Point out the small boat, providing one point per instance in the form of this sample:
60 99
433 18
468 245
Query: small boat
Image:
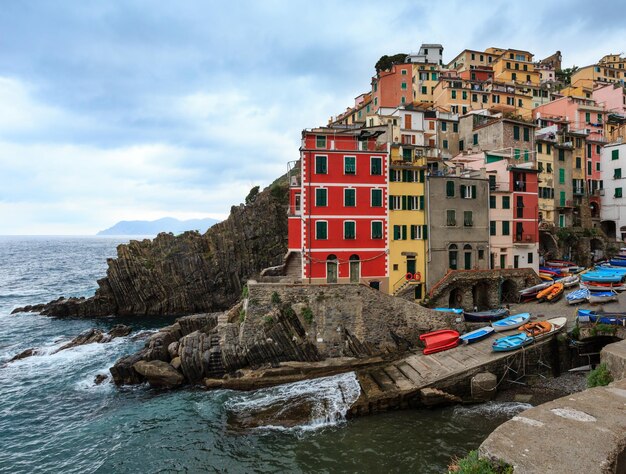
543 294
556 323
449 310
619 262
556 291
438 341
590 316
597 286
485 316
547 278
536 328
476 335
534 289
512 342
602 277
511 322
596 297
560 264
568 281
577 296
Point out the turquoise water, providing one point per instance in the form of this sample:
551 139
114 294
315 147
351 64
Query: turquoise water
53 418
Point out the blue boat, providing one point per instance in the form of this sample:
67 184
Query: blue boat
512 342
590 316
618 262
602 277
449 310
511 322
476 335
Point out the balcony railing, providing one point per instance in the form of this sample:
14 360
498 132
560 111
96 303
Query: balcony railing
524 238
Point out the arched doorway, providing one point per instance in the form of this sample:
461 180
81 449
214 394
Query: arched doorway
548 246
467 257
480 295
355 268
452 257
595 210
609 228
455 299
508 292
331 269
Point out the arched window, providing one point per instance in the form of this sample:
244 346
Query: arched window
452 256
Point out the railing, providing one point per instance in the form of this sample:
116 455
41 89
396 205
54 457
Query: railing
524 238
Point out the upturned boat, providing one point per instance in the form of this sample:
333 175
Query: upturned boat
596 297
512 322
577 296
438 341
476 335
512 342
602 317
485 316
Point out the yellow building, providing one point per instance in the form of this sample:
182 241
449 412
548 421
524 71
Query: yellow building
425 78
471 59
408 230
515 66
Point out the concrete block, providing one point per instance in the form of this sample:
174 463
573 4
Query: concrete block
483 386
614 356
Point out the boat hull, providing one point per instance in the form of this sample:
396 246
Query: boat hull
476 335
511 343
512 322
485 316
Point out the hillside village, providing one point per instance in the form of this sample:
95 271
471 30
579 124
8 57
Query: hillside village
476 170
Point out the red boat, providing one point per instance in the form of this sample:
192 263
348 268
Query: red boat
438 341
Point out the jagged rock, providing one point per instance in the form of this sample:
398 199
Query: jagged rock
159 374
172 349
434 397
88 337
176 275
119 330
100 378
123 372
23 355
158 344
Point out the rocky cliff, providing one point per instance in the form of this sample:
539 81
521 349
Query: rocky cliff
189 273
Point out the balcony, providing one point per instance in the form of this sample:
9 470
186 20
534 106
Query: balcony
579 191
519 186
569 204
524 239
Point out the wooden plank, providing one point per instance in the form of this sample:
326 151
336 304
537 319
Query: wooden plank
418 364
410 373
383 380
369 386
402 382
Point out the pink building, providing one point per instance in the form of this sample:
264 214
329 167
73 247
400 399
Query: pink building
611 96
583 115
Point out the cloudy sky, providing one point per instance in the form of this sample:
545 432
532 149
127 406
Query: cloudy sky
113 110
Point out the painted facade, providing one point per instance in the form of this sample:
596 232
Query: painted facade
613 175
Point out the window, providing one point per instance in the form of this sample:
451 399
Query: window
320 165
349 230
443 126
548 149
445 144
377 197
320 141
615 154
516 153
376 167
404 72
475 139
403 86
618 192
562 198
530 257
433 76
321 197
598 166
561 220
464 95
481 254
587 117
468 192
578 163
549 168
539 148
561 176
416 232
377 230
514 76
526 155
451 217
617 173
561 155
349 165
505 228
449 188
461 145
474 97
452 256
485 98
506 202
526 134
455 127
468 220
349 197
492 202
394 202
492 227
453 94
321 230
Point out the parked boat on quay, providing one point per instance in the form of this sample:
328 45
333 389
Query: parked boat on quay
485 316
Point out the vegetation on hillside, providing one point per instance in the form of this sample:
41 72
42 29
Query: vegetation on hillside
473 464
599 377
385 62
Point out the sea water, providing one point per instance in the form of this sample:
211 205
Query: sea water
54 418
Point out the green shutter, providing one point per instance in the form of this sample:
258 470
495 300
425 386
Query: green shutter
526 134
615 154
349 165
515 132
350 197
320 165
377 197
321 230
505 227
474 191
404 203
403 232
413 232
422 203
425 232
396 232
561 176
422 175
450 188
321 197
377 230
492 202
492 227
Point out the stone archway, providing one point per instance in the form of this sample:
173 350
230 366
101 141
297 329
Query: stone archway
609 228
480 295
455 300
508 292
548 245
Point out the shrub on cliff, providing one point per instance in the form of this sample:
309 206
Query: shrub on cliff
472 464
599 377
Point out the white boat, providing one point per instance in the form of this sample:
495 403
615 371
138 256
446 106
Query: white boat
512 322
557 325
568 281
577 296
596 297
535 289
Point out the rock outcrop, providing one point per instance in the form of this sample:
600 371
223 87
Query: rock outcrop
188 273
286 333
159 374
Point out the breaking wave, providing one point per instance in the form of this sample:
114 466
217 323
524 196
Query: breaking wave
492 409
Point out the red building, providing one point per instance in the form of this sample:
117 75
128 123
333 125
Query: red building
593 151
526 205
393 88
338 207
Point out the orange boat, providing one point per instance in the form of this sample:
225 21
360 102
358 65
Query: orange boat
438 341
550 293
536 328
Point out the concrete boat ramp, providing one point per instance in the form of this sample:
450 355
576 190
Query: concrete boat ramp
419 379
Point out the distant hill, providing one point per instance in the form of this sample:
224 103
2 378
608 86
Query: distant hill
166 224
